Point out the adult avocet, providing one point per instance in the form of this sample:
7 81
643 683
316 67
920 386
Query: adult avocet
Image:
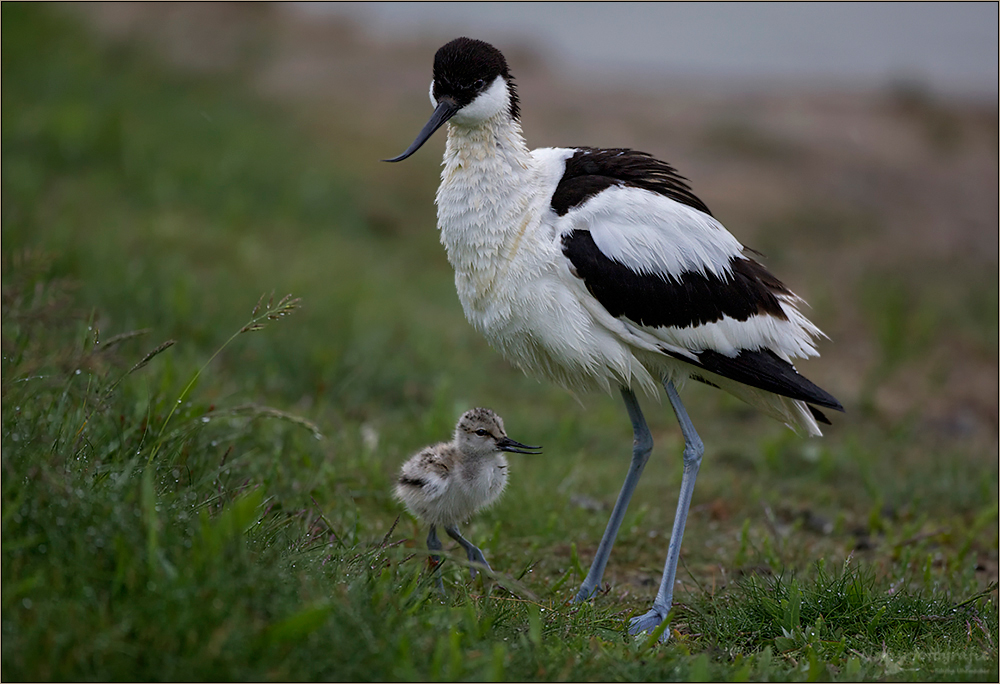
600 267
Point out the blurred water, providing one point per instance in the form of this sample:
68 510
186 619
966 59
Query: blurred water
950 48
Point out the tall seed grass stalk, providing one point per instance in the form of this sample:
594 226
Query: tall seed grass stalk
262 314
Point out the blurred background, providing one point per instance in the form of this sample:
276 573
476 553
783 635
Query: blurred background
946 47
166 163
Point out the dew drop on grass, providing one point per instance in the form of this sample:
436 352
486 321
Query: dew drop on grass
205 419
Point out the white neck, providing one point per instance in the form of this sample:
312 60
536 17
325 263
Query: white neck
484 200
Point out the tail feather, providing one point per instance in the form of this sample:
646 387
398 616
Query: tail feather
795 413
763 369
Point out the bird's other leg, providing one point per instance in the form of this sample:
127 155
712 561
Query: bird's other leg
642 445
471 550
693 450
434 544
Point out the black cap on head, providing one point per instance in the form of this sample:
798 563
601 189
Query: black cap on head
465 67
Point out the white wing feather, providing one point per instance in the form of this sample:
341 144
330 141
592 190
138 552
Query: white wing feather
653 234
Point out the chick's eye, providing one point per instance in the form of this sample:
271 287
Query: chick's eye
481 432
479 83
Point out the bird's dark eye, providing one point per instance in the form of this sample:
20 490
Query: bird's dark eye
479 84
481 432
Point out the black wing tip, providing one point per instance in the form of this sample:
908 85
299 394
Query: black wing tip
818 415
839 407
805 390
821 397
764 370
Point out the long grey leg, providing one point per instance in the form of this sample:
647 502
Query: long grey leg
434 544
471 550
693 450
642 445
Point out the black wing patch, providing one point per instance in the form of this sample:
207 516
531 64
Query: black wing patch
591 170
764 370
678 300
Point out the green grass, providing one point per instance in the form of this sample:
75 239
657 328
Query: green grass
220 507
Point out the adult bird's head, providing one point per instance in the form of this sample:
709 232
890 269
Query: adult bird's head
471 84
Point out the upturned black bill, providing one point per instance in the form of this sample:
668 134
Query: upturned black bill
444 111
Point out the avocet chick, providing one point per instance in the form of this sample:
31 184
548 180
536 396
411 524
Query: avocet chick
446 483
